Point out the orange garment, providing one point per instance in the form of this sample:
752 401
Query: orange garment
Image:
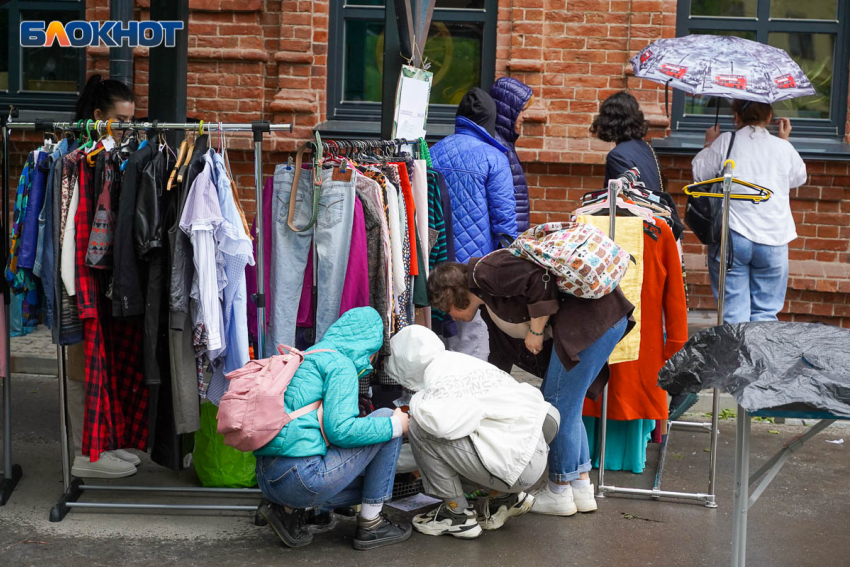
410 205
633 391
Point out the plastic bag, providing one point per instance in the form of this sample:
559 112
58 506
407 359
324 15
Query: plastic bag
767 365
216 464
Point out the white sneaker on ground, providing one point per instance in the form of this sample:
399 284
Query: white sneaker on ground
497 511
554 504
584 498
442 521
107 466
127 456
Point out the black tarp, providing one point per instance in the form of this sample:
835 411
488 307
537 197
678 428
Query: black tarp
787 366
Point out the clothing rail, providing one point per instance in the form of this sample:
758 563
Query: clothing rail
708 499
75 487
10 473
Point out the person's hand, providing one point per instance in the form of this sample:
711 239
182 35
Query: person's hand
403 418
711 134
784 128
534 343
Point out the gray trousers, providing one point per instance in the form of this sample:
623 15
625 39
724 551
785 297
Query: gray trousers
473 338
443 463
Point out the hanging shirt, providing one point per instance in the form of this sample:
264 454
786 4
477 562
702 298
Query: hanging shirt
765 160
396 241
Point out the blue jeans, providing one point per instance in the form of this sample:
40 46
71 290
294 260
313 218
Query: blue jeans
342 477
569 455
756 283
332 233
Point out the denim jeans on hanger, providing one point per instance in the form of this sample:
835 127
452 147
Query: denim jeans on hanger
290 250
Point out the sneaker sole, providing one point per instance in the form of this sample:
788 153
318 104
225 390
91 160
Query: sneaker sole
366 545
588 509
498 521
467 532
565 513
284 537
82 472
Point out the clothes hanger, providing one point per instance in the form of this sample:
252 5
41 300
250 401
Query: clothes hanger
764 192
90 158
183 168
181 155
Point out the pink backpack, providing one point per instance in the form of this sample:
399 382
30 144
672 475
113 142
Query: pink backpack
251 412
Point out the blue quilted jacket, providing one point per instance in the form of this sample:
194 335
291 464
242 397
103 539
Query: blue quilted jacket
333 378
511 97
478 177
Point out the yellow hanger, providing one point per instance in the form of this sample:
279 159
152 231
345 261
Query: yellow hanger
764 192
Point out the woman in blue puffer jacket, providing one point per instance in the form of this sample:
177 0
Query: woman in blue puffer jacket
512 97
299 470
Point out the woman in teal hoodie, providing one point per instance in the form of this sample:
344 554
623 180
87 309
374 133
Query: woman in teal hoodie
356 465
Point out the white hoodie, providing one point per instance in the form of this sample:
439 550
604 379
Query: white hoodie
458 395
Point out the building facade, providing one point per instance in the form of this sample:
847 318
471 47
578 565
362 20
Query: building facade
317 64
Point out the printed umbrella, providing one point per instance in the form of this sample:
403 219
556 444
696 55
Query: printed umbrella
723 66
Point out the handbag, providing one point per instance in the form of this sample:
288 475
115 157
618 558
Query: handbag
704 215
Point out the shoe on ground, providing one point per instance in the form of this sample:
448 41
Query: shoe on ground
497 511
317 522
107 466
288 524
553 504
584 498
383 532
443 521
127 456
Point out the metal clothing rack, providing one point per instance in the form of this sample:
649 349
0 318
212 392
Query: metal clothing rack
708 498
10 473
75 487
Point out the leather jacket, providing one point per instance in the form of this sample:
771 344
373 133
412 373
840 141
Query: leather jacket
149 226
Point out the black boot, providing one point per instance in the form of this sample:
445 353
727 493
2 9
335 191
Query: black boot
379 532
287 523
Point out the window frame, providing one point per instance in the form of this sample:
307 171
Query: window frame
340 11
38 100
762 25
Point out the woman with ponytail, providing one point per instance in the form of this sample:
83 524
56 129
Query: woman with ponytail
105 99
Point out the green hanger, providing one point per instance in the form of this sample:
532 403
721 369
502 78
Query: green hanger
90 142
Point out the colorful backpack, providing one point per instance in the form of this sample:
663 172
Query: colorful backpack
586 263
251 412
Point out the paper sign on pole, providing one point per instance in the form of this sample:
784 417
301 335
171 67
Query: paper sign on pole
411 104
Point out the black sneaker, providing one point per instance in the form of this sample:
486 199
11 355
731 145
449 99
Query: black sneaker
379 532
317 522
442 521
287 523
497 511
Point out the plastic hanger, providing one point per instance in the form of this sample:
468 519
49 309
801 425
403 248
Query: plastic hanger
181 155
182 171
764 192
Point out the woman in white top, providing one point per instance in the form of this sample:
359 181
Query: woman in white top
756 282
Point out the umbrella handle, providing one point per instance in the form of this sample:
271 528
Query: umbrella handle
717 114
667 97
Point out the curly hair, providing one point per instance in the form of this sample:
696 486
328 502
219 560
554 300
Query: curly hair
448 286
620 119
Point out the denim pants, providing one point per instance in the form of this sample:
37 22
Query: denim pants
332 233
569 455
756 282
342 477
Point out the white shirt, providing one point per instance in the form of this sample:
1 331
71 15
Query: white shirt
765 160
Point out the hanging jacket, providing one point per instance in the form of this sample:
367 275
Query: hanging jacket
458 395
511 96
333 377
478 178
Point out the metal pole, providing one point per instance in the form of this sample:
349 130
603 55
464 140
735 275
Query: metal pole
63 418
614 186
147 125
261 284
7 379
121 57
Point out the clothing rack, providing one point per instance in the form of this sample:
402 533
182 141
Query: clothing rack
75 487
10 473
708 499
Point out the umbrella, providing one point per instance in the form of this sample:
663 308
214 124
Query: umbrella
723 66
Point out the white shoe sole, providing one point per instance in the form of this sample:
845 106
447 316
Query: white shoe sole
562 512
498 520
130 458
585 509
84 472
473 532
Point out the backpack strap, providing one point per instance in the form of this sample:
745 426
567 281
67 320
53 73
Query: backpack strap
315 406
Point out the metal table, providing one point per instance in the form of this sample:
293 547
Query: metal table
742 500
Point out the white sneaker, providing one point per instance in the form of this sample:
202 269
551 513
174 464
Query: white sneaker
553 504
442 521
107 466
497 511
127 456
584 498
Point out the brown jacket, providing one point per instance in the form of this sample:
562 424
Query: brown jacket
518 290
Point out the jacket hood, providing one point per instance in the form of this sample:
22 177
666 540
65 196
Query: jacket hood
510 96
479 107
412 350
358 334
470 128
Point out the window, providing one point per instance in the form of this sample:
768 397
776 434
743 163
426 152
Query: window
461 48
813 32
37 78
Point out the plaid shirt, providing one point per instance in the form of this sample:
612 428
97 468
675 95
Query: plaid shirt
116 398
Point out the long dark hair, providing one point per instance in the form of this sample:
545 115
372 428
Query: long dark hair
101 94
620 119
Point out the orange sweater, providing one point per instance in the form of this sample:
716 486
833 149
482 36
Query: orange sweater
633 391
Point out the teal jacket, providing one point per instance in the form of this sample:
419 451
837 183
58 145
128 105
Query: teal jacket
333 377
